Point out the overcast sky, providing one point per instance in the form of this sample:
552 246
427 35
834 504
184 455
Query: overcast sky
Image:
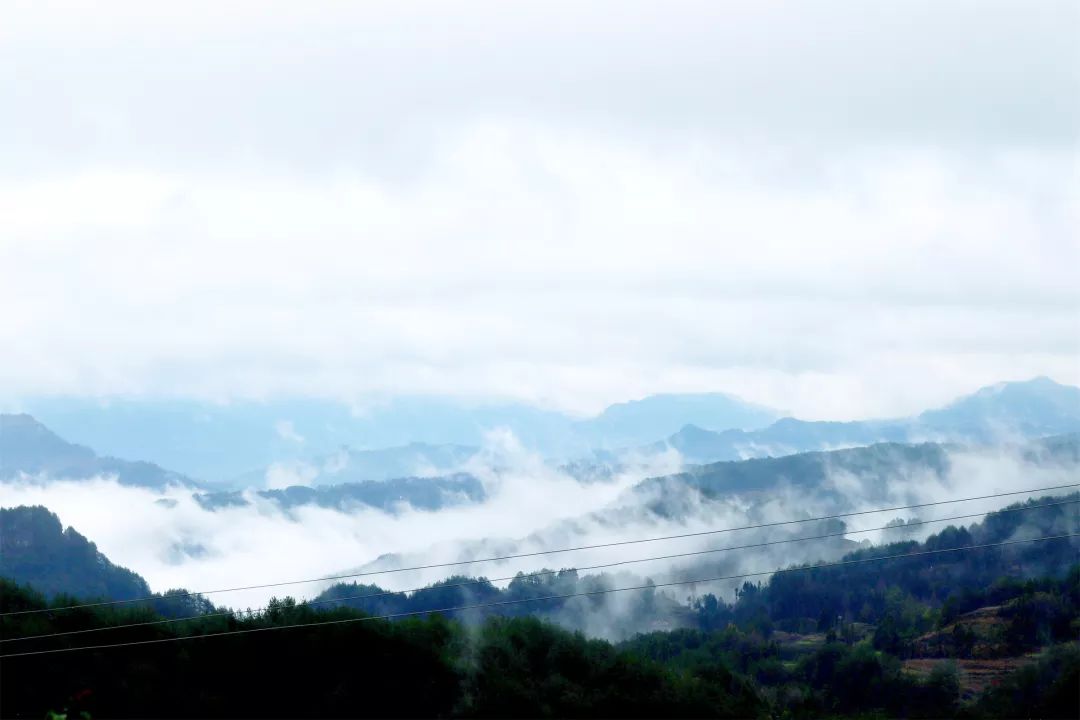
839 209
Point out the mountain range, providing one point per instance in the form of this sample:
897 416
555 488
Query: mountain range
222 442
28 447
1005 411
428 493
878 467
36 549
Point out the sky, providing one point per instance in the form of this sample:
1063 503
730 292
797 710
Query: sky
839 209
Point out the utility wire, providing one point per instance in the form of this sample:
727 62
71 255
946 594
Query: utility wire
482 581
541 552
517 601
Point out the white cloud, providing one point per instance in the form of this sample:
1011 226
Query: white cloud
286 431
864 219
280 475
530 508
260 543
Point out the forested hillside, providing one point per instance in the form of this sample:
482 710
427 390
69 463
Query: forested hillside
866 586
928 629
35 549
878 468
416 668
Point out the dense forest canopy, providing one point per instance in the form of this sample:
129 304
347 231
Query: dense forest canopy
36 549
847 639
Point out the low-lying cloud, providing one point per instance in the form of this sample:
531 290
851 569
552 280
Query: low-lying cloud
260 542
530 507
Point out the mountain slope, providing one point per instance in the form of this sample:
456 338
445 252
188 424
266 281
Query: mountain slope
841 589
640 421
875 467
348 465
27 446
428 493
784 437
1007 411
35 549
404 436
218 442
1036 407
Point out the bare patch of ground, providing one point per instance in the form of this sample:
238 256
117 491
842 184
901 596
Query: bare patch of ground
975 675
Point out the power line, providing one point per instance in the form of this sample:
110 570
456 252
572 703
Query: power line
541 552
541 573
565 596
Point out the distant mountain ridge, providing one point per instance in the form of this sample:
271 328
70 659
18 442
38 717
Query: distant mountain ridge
1037 407
835 481
34 547
426 493
1006 411
643 420
878 467
625 423
217 443
27 446
1018 410
348 465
